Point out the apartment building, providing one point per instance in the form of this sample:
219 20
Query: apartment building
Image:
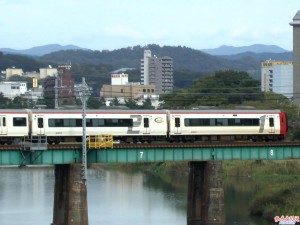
157 71
277 77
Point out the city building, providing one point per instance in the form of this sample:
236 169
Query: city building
45 72
130 91
123 90
277 77
119 79
296 57
157 71
60 88
13 71
13 89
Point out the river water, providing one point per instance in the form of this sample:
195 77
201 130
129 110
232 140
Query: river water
114 198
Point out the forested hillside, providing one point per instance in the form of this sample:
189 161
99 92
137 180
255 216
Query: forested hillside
96 66
183 58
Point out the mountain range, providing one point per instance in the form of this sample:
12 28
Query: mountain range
41 50
185 59
231 50
220 51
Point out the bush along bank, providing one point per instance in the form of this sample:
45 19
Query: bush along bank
278 186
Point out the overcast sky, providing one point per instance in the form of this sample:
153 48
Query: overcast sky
114 24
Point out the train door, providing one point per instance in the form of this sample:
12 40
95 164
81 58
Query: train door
146 122
3 126
271 124
177 125
40 125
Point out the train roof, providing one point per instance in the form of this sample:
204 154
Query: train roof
225 111
114 111
13 111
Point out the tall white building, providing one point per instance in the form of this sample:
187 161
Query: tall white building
277 77
157 71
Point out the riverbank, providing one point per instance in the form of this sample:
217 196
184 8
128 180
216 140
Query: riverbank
278 185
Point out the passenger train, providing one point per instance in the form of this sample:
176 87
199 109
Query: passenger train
132 126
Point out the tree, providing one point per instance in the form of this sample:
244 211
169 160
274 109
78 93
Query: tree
115 102
221 88
131 104
17 103
94 103
147 104
3 101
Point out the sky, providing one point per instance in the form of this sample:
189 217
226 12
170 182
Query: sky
114 24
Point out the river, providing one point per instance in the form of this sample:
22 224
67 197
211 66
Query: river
114 198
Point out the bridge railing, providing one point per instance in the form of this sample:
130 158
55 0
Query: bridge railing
99 141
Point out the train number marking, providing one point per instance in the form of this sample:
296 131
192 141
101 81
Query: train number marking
137 121
271 152
141 154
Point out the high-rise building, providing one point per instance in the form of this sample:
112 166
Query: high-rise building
157 71
277 77
296 57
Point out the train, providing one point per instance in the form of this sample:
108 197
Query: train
133 126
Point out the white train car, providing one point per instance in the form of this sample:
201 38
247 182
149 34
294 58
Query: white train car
124 125
14 125
208 125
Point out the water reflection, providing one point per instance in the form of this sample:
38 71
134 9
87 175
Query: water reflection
127 199
114 198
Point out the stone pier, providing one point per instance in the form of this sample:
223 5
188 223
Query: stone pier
205 193
70 196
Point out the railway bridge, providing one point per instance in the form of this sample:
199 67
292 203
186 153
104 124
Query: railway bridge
205 191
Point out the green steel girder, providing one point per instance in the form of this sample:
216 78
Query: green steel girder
134 155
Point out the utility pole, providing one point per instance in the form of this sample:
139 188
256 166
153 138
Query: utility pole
83 93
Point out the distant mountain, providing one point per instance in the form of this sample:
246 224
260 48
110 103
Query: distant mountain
257 48
285 56
41 50
183 58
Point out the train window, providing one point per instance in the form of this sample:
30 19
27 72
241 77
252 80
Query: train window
196 122
40 122
89 122
177 122
219 122
78 123
72 122
271 122
56 122
234 122
126 122
4 122
146 122
243 122
109 123
19 121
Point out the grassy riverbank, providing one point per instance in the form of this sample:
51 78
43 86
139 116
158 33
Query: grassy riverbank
278 186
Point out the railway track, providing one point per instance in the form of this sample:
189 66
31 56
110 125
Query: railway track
164 145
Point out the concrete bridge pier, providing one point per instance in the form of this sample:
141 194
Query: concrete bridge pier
205 193
70 196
